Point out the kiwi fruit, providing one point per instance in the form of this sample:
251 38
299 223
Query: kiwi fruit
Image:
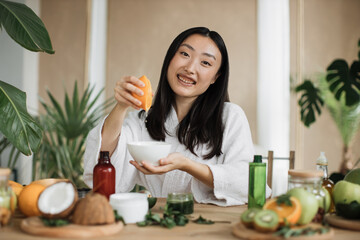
247 217
266 221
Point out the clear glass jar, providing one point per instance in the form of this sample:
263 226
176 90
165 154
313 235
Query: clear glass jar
182 202
5 196
311 181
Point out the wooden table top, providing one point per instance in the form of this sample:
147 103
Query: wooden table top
190 231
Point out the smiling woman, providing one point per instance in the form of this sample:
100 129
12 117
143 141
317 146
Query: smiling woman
210 138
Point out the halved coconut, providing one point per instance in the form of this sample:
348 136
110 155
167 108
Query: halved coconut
58 200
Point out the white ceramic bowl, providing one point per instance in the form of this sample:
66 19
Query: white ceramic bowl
133 207
151 151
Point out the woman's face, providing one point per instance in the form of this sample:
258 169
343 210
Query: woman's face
194 67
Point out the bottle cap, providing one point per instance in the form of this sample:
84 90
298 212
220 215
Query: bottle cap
257 158
104 154
322 159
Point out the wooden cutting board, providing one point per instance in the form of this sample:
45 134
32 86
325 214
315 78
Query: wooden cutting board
341 222
34 226
240 231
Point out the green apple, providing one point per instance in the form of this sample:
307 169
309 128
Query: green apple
327 200
353 176
309 204
346 197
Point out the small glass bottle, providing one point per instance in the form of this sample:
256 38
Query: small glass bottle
104 175
5 196
322 165
311 181
257 183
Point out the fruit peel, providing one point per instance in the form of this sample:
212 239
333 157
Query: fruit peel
309 204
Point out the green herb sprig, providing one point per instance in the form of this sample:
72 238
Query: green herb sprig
201 220
284 199
287 232
118 217
170 219
54 222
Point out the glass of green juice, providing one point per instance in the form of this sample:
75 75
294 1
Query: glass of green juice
182 202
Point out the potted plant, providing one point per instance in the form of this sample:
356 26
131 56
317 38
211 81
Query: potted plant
65 131
16 124
339 91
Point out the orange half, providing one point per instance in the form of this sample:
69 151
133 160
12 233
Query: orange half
290 213
146 99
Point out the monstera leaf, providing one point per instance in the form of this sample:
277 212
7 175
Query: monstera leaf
309 102
345 81
15 122
24 27
346 118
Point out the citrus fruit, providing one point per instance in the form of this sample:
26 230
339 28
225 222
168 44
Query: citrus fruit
289 208
146 99
16 187
28 199
309 204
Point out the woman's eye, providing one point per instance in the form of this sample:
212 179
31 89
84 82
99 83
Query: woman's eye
206 63
184 53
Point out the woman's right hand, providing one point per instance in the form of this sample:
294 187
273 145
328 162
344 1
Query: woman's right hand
124 89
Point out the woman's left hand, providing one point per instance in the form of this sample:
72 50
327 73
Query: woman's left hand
171 162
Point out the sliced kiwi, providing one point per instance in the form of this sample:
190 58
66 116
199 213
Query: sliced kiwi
266 221
247 217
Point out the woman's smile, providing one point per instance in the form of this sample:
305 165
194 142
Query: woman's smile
186 81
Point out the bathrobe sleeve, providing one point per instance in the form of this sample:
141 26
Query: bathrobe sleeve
231 170
126 174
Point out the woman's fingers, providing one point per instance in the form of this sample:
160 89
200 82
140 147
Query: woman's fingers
125 88
147 168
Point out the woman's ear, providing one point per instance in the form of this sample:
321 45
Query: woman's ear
216 77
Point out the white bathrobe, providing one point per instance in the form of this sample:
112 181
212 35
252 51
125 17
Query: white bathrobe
230 170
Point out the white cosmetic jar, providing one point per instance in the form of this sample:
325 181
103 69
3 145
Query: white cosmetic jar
133 207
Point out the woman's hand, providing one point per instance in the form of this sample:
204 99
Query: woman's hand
177 161
124 89
171 162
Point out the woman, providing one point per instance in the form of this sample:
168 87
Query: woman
210 137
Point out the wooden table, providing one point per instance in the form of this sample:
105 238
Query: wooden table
190 231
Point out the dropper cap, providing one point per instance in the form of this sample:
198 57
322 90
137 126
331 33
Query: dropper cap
322 160
257 159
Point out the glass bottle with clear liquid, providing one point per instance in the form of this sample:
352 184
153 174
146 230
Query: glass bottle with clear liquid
5 196
322 165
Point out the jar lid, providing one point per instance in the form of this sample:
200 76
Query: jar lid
306 173
5 171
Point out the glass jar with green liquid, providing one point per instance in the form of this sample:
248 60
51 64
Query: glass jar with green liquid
257 183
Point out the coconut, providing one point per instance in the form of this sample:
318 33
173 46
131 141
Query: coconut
58 200
94 209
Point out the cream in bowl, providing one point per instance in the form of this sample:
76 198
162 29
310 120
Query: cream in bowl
133 207
149 151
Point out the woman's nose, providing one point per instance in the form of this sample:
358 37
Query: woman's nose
190 67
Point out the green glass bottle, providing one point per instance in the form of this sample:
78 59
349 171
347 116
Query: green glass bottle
257 183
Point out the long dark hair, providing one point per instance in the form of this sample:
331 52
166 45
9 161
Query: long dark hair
203 123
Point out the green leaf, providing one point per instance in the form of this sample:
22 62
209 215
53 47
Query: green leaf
201 220
16 123
284 199
309 102
24 27
344 81
346 118
54 222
